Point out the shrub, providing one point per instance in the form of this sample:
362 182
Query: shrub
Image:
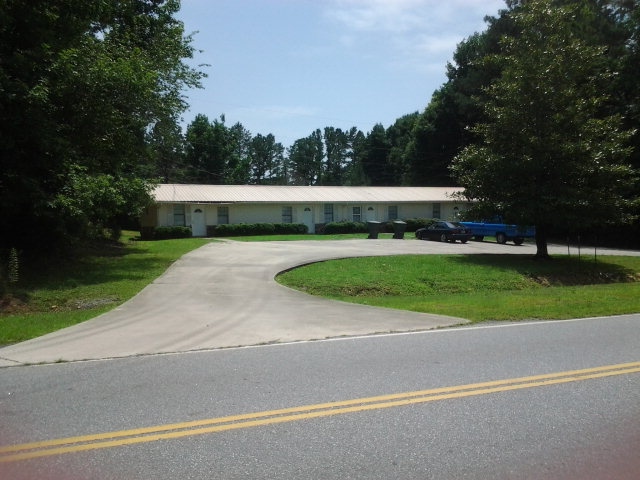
164 233
415 223
344 227
291 228
251 229
147 233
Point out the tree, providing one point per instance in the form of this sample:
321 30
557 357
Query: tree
238 169
550 154
305 159
355 174
400 135
166 152
267 158
98 203
442 130
337 147
82 84
208 149
375 163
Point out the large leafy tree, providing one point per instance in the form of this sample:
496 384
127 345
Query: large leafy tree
267 160
238 168
400 135
442 130
356 175
166 145
339 152
550 153
208 149
305 159
375 161
82 85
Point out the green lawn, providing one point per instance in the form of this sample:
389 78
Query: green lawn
479 287
70 291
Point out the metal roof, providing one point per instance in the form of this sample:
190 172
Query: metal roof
179 193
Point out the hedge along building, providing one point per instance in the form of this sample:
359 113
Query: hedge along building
202 207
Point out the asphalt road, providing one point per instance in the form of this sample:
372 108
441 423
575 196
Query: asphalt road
465 403
530 400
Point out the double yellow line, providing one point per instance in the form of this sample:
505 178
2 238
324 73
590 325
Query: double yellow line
25 451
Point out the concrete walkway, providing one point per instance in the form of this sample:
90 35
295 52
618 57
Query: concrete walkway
224 295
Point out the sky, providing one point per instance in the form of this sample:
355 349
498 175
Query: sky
289 67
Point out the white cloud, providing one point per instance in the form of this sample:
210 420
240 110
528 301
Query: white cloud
408 33
369 15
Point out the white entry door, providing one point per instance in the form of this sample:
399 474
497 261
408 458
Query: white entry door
307 219
198 227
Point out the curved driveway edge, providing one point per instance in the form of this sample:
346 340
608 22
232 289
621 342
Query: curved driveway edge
224 295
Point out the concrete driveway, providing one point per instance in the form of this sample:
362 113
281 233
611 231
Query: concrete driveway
224 295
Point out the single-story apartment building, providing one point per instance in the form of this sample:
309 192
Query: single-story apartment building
199 206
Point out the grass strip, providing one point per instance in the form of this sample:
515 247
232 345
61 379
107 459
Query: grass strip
479 287
65 292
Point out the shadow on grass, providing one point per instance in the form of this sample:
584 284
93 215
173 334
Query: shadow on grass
90 267
562 270
119 267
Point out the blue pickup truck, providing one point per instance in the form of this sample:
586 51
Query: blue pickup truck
501 231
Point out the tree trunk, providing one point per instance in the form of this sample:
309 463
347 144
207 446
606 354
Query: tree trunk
541 243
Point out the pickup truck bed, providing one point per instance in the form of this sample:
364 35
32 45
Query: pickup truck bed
503 232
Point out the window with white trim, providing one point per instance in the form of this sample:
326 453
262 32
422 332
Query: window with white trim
179 217
392 212
287 214
356 213
436 210
328 212
223 215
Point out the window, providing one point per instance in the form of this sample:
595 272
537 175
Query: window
393 212
357 214
436 210
179 219
328 213
287 214
223 215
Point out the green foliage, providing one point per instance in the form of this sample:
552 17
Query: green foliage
478 287
166 233
415 223
267 161
550 153
165 145
290 228
13 269
89 204
252 229
375 162
344 227
81 86
74 289
305 160
208 148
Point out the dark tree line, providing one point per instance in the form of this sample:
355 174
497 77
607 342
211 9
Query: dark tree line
210 152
